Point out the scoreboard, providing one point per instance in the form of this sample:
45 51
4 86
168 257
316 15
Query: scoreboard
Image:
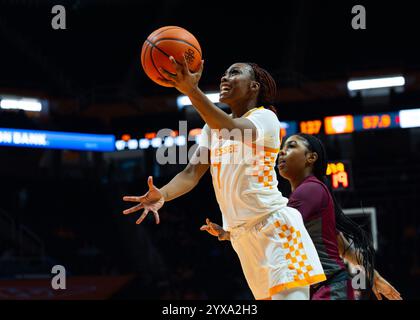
356 123
376 121
311 126
339 124
339 173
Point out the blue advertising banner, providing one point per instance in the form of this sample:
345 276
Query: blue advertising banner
56 140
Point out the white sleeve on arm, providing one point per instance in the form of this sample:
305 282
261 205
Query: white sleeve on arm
205 137
267 124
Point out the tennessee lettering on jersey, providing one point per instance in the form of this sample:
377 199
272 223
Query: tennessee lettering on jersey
227 149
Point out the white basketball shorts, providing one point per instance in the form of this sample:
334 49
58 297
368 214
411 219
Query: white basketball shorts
277 253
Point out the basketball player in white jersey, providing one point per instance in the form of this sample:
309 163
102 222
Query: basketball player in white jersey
277 255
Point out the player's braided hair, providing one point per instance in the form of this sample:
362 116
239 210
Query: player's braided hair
351 231
268 88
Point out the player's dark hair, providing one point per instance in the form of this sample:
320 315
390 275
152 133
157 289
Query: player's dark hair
351 230
268 88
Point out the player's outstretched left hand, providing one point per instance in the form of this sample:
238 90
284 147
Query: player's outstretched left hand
152 201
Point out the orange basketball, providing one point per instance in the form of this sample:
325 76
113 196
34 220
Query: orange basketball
166 42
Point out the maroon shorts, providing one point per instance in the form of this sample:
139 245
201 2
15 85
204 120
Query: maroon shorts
335 288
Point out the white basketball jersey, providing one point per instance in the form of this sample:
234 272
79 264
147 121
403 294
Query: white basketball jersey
243 174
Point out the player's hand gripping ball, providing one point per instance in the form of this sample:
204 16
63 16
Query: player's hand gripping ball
165 42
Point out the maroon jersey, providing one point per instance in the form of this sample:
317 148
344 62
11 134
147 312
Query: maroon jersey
314 202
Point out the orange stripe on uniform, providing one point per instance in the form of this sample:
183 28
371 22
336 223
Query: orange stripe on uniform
251 111
299 283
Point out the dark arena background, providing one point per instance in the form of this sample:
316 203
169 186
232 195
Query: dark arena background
79 123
